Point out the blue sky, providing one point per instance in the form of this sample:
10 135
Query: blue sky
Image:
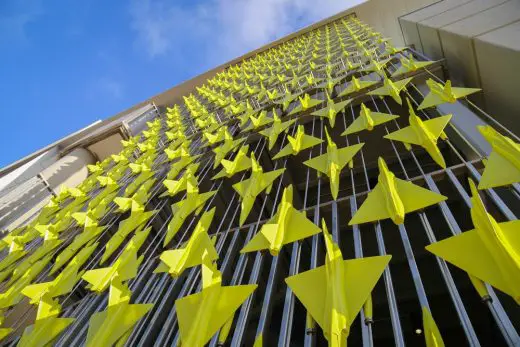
65 64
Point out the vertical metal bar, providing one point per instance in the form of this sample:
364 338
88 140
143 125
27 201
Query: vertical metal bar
366 324
335 227
416 276
471 336
288 311
466 324
310 331
457 301
244 311
389 287
287 318
310 337
244 314
392 302
501 318
238 272
460 309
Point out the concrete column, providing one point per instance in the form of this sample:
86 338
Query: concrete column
69 171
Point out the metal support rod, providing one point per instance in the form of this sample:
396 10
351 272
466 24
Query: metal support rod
461 311
389 287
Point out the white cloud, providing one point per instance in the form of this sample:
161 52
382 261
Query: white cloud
111 87
223 29
159 25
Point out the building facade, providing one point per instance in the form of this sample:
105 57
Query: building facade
319 190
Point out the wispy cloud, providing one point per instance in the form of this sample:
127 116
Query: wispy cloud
160 26
15 17
110 86
223 29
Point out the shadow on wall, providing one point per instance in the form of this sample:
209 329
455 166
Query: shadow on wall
33 193
69 171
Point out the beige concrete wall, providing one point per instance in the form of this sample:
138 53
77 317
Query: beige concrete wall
69 171
479 40
106 147
383 15
457 39
498 56
428 28
409 22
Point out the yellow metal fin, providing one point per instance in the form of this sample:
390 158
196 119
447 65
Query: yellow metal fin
229 299
299 227
118 293
360 276
406 135
346 154
261 240
193 255
469 252
361 123
44 332
498 172
432 335
107 327
376 205
259 341
97 276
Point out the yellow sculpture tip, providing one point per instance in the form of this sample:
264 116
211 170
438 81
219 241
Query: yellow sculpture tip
242 220
410 108
329 139
382 165
398 220
488 133
473 188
